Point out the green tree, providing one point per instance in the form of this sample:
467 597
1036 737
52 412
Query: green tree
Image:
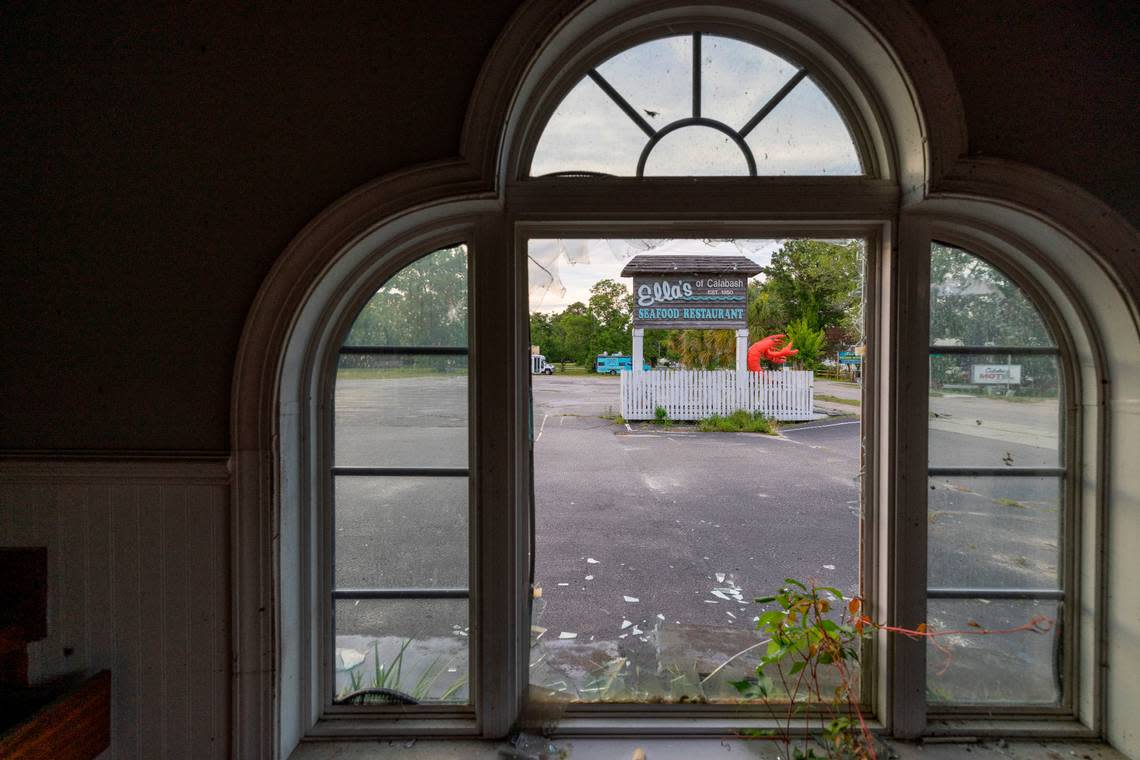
573 329
542 334
974 304
766 313
812 280
807 341
610 307
704 349
424 304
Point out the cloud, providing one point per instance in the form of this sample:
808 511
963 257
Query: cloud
558 279
803 135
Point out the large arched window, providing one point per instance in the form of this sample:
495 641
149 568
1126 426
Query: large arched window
402 442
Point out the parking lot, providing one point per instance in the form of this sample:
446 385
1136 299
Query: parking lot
669 515
651 543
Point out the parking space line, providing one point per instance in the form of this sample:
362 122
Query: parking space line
818 427
541 428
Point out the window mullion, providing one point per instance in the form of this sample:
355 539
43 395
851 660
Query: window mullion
499 585
907 551
400 593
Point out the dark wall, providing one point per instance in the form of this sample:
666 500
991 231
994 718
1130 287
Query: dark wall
1051 83
157 160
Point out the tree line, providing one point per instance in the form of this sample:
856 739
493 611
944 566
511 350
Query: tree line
810 291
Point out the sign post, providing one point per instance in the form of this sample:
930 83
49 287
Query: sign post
638 350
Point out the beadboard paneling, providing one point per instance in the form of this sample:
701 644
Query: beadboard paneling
138 583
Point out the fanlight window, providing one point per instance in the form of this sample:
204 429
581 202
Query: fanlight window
696 105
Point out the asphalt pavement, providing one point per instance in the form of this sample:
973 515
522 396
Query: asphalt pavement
651 543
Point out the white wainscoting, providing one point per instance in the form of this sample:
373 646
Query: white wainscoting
138 583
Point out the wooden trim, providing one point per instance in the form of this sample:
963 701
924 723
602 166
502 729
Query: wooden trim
704 198
907 454
99 467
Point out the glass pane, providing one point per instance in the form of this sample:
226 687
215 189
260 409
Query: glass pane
804 135
424 304
991 410
656 78
974 304
1002 668
401 411
994 532
588 132
738 78
401 532
405 651
696 150
653 538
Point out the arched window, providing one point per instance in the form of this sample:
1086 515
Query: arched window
398 511
1000 494
401 464
696 105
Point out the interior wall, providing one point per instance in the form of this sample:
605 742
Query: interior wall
138 584
1051 85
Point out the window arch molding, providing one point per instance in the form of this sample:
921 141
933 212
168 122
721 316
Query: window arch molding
390 217
891 73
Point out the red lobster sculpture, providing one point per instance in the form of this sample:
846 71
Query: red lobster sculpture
766 349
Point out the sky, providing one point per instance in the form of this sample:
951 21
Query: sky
803 135
563 271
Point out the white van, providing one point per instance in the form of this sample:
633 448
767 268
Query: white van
539 365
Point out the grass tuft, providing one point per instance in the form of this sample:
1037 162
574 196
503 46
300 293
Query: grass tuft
739 421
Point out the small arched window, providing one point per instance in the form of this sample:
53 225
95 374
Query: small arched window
998 536
399 506
696 105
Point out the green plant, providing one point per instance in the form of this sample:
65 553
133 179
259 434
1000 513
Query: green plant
613 416
740 421
661 417
807 340
812 630
813 639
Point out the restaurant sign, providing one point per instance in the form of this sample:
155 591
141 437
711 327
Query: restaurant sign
690 301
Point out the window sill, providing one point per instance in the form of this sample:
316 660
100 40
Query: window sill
686 749
354 729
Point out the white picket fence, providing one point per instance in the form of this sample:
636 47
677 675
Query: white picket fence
696 394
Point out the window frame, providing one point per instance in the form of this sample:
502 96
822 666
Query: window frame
807 68
864 126
1070 424
326 550
595 718
684 204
